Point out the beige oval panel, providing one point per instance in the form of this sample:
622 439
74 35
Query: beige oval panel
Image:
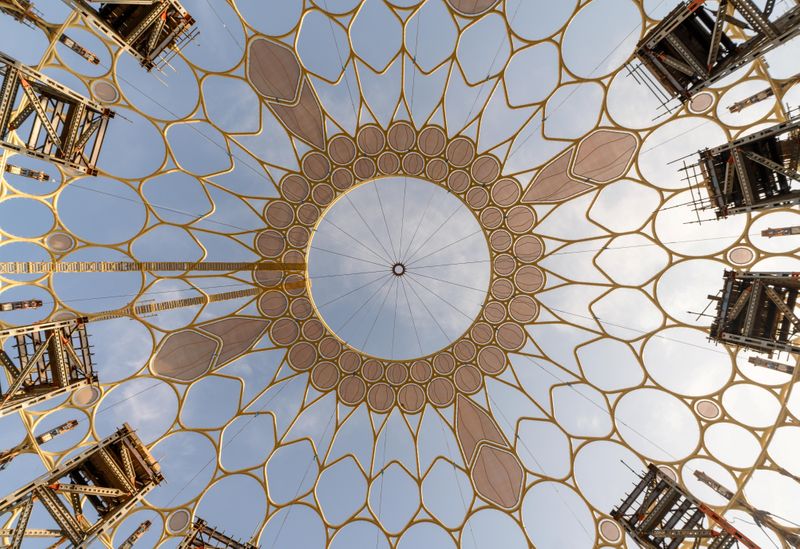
352 390
432 141
380 397
421 371
460 152
468 379
302 356
325 376
441 391
341 149
178 520
388 163
316 166
371 140
411 398
295 188
401 136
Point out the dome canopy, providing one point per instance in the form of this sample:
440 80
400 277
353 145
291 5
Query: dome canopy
464 296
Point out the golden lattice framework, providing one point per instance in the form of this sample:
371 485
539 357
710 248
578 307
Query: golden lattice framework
451 388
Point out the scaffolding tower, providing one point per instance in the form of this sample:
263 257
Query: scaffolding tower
756 172
150 30
756 311
61 125
53 358
660 514
204 536
690 48
112 477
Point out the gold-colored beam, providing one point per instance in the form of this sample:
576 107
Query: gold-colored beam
152 308
49 267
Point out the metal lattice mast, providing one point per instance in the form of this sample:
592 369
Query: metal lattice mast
112 476
661 514
757 311
61 125
23 172
756 172
204 536
137 534
30 444
53 358
771 364
761 517
158 306
782 231
151 31
690 49
777 89
25 12
18 305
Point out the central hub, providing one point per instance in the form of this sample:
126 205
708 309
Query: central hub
399 268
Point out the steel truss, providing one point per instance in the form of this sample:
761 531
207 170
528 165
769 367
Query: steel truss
206 537
112 477
147 29
62 126
755 172
53 358
757 311
689 49
660 514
